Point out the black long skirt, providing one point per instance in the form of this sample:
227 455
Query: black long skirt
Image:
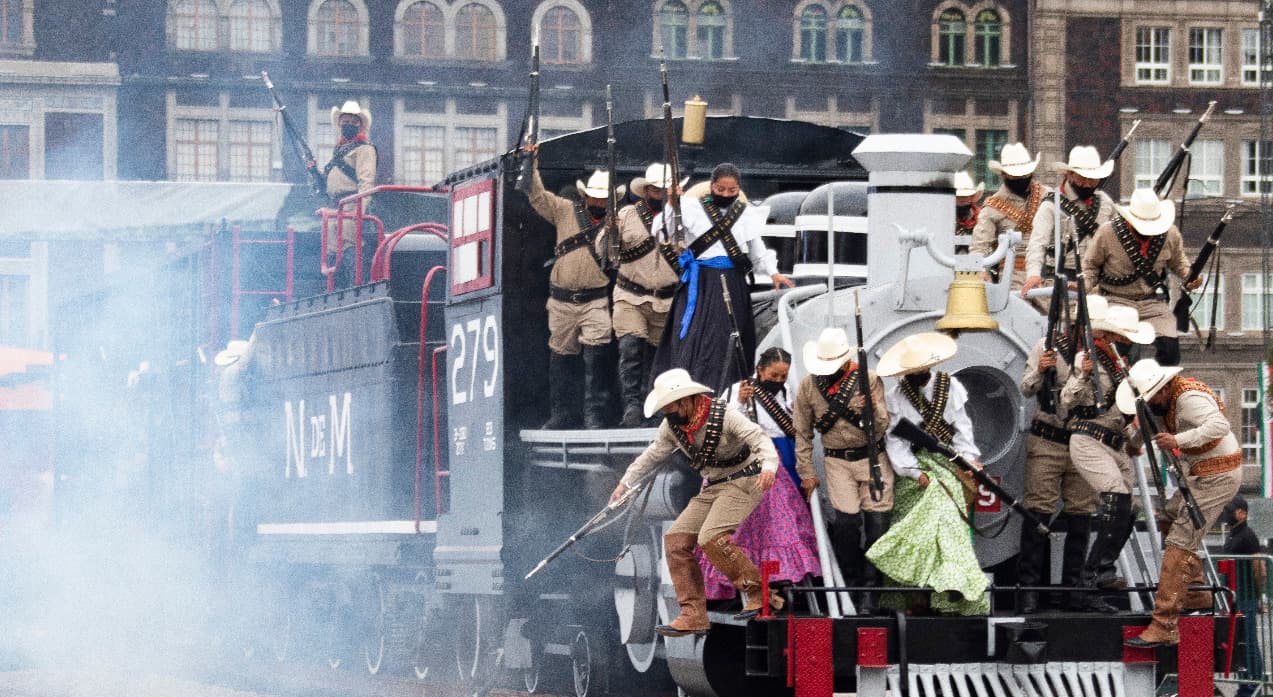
707 351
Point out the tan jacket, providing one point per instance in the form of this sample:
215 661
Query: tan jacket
363 160
1043 238
1199 422
576 270
651 270
1105 257
737 431
810 405
991 223
1032 382
1078 393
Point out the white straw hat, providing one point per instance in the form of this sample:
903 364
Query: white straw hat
657 175
1124 321
828 353
1085 161
352 107
232 352
965 187
598 185
1147 377
1014 161
669 387
915 353
1149 215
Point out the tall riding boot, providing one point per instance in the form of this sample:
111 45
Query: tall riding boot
1199 599
632 379
1107 574
1031 565
597 383
1112 515
846 541
647 380
687 579
559 416
1078 532
1178 566
876 524
731 561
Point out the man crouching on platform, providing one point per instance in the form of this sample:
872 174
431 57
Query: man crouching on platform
737 461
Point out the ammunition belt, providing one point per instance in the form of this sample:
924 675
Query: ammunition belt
577 296
1087 411
642 248
851 454
1048 432
1108 437
1216 465
749 471
633 287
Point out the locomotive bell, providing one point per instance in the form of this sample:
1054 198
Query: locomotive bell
695 123
966 307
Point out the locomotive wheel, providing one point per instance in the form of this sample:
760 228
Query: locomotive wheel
424 651
477 636
373 622
636 589
581 662
531 677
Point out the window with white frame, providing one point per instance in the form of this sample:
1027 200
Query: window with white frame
1151 158
422 30
952 31
850 35
565 32
474 145
339 28
15 151
1250 56
813 34
989 142
423 156
195 149
830 31
1153 55
431 144
701 29
1254 295
474 30
192 25
475 33
1206 168
1206 55
220 143
251 151
989 38
1252 425
1255 170
253 27
1212 292
246 26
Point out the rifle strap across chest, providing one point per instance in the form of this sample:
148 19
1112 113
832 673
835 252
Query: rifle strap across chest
338 160
1112 368
932 412
1142 263
646 245
773 407
838 403
722 231
1022 218
585 238
704 454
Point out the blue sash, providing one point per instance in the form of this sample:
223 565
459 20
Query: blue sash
689 276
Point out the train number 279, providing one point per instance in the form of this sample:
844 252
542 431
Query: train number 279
473 342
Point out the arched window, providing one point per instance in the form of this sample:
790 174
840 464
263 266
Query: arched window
989 38
813 34
674 22
559 35
711 30
338 29
192 25
850 30
423 31
11 22
253 27
952 32
475 33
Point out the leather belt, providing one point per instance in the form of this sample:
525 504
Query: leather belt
1048 432
851 454
1107 436
749 471
633 287
577 296
1087 411
1216 465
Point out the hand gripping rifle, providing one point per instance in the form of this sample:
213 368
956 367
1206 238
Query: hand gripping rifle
530 126
1148 429
908 431
868 408
1162 186
316 183
1185 302
1122 144
1084 321
740 355
673 226
614 245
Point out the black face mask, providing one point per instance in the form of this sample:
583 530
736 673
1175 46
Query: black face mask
1020 187
597 212
723 202
655 204
772 386
962 211
677 419
1083 192
917 379
349 130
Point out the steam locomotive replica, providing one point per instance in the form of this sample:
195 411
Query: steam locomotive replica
377 448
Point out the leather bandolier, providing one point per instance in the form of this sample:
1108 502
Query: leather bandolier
585 238
1022 218
1083 415
338 160
704 455
722 231
776 411
932 411
1211 465
1143 263
1085 224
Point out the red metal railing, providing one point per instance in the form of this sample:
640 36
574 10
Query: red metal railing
419 432
358 215
380 261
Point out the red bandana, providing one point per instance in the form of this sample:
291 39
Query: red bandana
699 418
847 372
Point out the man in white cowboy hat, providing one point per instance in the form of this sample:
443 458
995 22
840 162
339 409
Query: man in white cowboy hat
1012 207
1084 208
738 463
578 298
967 206
1050 475
1128 260
1098 437
351 170
829 400
1194 427
643 288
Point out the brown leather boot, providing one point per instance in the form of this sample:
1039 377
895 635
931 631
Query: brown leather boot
1178 566
1197 600
687 579
730 560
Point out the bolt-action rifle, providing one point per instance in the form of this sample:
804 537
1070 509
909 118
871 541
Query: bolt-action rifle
1185 302
673 226
530 126
868 408
300 147
1122 144
736 341
614 244
1162 185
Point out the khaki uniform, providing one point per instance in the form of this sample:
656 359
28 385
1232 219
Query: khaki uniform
1040 259
571 323
1104 467
1106 259
1207 447
1048 469
642 314
848 481
992 222
721 508
363 160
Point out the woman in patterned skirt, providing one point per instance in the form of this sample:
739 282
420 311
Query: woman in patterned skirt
781 528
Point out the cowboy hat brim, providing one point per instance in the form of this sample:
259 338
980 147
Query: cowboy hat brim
823 366
232 352
1126 400
981 186
1142 333
656 400
895 360
584 189
638 186
1015 170
365 115
1102 172
1150 228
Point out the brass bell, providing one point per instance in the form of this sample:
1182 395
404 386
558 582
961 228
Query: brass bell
966 307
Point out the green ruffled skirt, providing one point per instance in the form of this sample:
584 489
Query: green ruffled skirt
928 543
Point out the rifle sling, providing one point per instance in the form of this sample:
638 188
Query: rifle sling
838 403
1143 264
586 237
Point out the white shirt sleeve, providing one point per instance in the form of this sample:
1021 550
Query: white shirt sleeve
750 225
957 415
899 450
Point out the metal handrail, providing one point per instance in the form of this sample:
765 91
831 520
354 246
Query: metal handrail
419 410
380 264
